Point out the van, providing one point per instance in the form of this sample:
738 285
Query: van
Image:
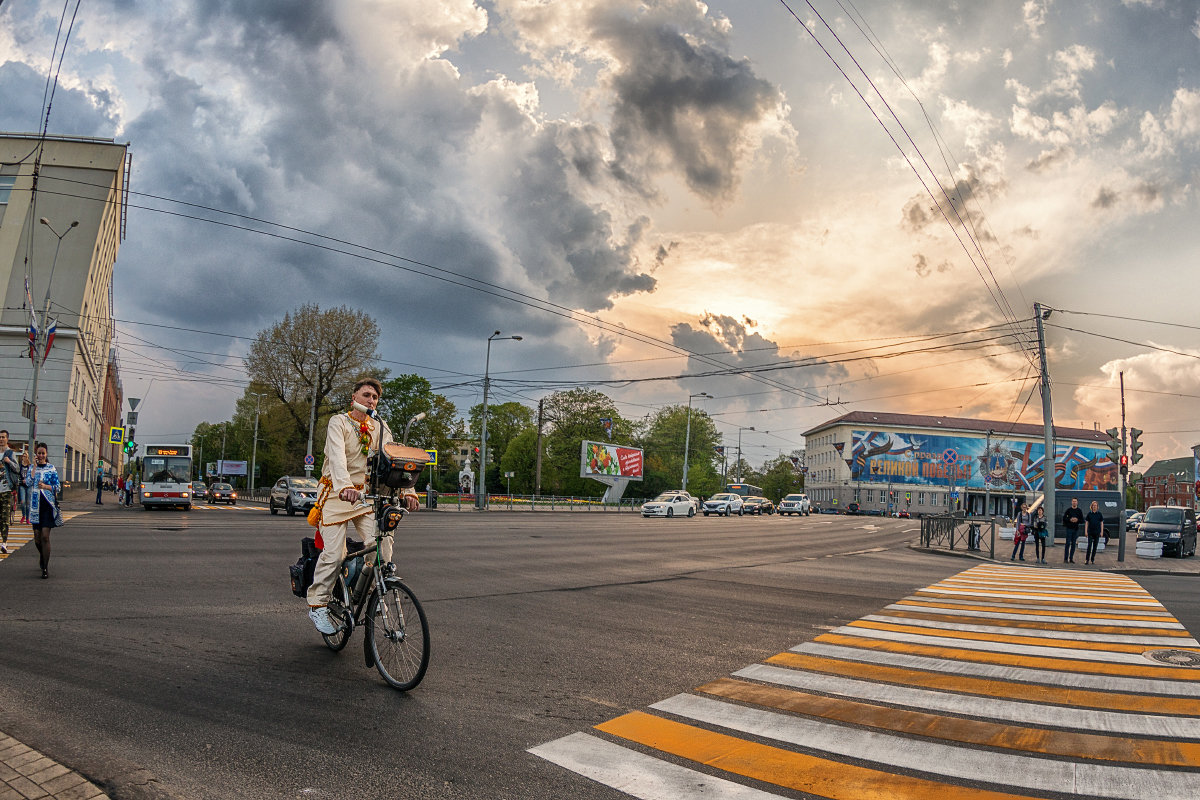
1174 526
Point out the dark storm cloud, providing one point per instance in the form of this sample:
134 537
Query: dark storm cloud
76 112
732 342
682 101
959 204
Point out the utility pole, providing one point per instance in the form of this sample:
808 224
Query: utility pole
1049 471
1121 468
537 477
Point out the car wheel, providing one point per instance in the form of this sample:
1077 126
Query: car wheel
274 510
670 512
287 507
741 512
691 512
706 513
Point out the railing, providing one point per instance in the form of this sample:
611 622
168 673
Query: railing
524 502
959 532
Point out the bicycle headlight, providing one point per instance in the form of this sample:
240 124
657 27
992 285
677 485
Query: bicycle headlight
391 518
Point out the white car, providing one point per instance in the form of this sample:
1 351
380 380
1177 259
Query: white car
795 504
724 504
670 504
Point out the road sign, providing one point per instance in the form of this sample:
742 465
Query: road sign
950 456
433 455
133 401
131 417
954 495
309 461
116 435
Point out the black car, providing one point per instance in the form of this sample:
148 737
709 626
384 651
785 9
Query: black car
852 508
294 493
1174 526
222 493
758 505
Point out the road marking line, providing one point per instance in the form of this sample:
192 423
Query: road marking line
1027 608
782 767
1099 620
1047 630
986 687
639 775
1091 602
1037 641
1068 679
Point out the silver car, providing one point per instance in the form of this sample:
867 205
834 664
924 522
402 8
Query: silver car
795 504
294 493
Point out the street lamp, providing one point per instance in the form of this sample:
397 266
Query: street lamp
481 486
309 461
739 461
254 448
687 438
37 365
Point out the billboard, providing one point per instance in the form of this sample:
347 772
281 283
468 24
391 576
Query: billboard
601 460
231 467
962 461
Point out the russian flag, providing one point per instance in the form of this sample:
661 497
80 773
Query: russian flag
49 338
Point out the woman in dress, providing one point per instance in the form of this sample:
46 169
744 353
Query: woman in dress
44 516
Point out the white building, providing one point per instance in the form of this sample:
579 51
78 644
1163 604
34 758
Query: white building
80 193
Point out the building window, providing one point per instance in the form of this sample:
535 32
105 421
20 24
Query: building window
856 491
870 495
6 187
920 498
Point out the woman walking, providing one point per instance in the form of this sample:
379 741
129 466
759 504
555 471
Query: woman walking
1093 523
44 516
1039 535
1024 528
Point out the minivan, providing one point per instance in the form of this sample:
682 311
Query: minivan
1174 526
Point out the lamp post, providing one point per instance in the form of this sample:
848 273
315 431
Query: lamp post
254 447
481 485
687 437
312 414
739 458
37 365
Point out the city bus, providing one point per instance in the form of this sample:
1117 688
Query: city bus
744 489
166 476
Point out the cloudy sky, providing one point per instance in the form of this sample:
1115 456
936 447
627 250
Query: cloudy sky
652 189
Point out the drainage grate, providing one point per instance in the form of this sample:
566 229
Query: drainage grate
1174 658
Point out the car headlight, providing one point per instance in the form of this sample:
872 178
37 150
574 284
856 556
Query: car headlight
1174 535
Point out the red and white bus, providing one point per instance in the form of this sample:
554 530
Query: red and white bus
166 476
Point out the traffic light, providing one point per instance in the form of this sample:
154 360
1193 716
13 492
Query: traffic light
1114 443
1134 445
1124 464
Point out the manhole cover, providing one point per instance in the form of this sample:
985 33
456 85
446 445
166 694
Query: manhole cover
1174 658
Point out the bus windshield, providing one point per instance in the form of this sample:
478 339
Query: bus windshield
167 469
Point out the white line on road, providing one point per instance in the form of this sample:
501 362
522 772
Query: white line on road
1038 633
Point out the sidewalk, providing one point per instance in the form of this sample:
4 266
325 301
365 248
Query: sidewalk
26 774
1106 560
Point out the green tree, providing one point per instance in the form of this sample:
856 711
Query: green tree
520 458
573 417
308 348
407 395
780 478
505 422
664 439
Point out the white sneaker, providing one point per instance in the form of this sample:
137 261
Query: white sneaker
3 549
320 617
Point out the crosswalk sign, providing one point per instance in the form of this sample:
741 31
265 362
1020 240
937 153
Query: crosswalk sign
433 455
116 435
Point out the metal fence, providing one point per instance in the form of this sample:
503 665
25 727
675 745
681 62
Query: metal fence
960 532
524 502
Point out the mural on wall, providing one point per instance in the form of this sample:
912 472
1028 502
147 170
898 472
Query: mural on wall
961 461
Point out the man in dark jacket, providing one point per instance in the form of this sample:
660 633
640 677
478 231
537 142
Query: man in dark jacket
1072 519
1095 529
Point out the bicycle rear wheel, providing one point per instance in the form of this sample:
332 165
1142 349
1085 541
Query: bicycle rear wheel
341 617
398 636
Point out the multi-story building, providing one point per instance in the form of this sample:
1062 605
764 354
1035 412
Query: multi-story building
929 465
1170 482
62 219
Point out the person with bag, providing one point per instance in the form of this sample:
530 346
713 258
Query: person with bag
349 439
1024 527
1094 526
1040 533
44 486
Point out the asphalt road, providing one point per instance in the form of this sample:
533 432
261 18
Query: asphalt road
166 657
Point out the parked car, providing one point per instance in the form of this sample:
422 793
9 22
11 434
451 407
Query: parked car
222 493
199 490
795 504
724 503
829 510
852 508
293 493
758 505
670 504
902 514
1132 521
1174 526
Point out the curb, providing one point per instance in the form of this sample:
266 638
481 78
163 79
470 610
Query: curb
26 774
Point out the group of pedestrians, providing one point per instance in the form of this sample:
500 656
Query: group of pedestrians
39 501
121 487
1031 521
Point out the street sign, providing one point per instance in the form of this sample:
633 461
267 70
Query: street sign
133 401
131 417
954 495
509 474
309 461
950 456
116 435
433 455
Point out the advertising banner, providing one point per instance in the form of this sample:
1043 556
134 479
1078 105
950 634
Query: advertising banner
232 467
882 457
600 460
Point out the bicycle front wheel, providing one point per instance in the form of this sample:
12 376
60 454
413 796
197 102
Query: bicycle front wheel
398 636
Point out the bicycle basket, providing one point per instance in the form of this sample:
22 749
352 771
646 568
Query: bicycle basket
398 466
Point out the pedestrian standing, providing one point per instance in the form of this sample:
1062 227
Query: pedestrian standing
44 484
1039 535
1024 527
1072 519
10 478
100 484
1094 525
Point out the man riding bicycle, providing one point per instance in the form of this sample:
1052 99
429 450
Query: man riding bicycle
350 438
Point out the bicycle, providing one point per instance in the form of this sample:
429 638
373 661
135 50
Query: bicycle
396 640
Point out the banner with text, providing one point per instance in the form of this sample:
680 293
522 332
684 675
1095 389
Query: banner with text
601 460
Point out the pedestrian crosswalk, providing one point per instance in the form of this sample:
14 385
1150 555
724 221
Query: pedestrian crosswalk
1001 681
21 534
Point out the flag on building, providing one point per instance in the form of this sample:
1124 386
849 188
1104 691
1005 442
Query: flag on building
49 338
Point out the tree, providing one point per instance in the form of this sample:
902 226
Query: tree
520 458
573 417
309 347
780 478
505 422
404 397
664 439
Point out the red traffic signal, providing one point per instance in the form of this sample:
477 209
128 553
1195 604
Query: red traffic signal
1124 461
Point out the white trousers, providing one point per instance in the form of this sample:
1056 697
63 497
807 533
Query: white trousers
329 565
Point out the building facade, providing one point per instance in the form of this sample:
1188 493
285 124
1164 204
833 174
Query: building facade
930 465
1170 482
59 238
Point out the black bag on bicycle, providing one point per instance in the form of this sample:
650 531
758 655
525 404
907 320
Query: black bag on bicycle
302 571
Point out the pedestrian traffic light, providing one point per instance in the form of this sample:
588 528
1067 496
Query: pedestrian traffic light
1134 445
